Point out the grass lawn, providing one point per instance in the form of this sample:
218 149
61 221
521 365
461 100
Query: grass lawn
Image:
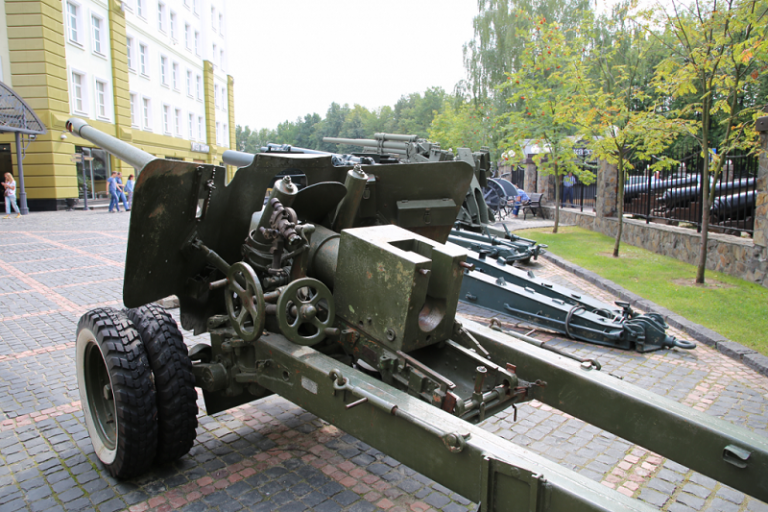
730 306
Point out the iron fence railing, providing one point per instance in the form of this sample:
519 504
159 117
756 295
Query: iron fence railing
675 196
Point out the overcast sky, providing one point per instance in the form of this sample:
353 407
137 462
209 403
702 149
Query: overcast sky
295 57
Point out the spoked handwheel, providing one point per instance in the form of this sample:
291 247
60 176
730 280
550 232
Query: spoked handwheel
304 310
245 301
117 392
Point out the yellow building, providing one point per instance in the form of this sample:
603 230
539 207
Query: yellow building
148 72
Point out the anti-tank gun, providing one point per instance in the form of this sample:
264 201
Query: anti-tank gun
474 214
349 272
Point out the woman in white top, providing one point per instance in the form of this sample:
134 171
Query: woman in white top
10 196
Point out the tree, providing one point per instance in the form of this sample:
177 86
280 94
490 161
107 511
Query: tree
501 30
717 54
541 110
617 113
463 126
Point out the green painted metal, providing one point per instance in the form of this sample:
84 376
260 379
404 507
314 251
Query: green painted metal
711 446
482 467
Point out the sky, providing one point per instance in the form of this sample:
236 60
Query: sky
296 57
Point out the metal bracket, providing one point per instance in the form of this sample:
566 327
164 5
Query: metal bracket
504 483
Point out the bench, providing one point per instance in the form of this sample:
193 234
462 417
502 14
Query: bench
533 206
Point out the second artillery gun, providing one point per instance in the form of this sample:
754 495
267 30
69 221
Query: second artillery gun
350 272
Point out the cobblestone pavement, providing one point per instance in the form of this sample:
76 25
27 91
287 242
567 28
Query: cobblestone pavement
270 454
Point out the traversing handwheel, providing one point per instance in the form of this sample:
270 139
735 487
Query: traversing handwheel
304 310
245 301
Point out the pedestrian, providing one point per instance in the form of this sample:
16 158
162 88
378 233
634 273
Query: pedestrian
10 196
129 190
568 183
121 192
112 191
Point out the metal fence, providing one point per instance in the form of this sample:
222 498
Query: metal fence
585 196
516 176
675 196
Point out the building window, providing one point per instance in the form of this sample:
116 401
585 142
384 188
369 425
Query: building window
73 19
218 133
146 113
96 24
163 70
195 5
213 18
166 119
215 54
200 129
143 59
189 83
134 114
197 43
161 16
177 121
221 59
221 23
186 4
78 92
191 123
101 99
225 137
175 75
172 18
216 95
187 36
199 82
140 8
129 53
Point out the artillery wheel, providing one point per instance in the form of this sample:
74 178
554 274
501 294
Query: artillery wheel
245 301
304 310
116 392
174 382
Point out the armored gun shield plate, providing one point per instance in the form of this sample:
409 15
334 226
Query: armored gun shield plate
176 201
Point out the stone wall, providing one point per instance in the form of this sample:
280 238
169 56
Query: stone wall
740 257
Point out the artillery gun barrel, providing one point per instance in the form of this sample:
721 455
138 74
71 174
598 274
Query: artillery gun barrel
396 137
368 142
726 206
116 147
237 158
677 195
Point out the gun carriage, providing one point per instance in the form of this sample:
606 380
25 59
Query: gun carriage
351 273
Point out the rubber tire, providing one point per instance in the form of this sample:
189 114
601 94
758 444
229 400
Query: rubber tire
174 381
108 348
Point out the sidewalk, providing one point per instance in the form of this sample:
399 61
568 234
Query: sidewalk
270 454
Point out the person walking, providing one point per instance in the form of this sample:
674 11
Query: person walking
10 196
121 192
568 183
129 190
112 191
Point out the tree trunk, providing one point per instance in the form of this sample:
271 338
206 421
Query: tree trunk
557 202
702 263
620 207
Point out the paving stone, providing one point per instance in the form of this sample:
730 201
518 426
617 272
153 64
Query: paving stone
690 500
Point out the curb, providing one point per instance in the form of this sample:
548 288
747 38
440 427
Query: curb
740 353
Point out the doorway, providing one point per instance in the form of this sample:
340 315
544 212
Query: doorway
93 169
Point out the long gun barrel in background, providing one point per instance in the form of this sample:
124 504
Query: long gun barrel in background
119 149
